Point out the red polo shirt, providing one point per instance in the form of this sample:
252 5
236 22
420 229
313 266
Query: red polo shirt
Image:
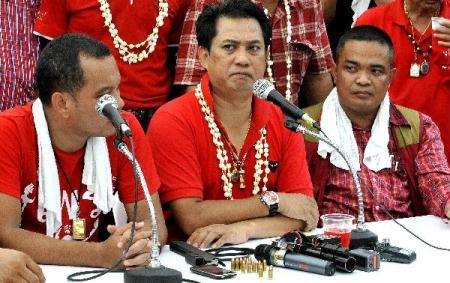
430 93
185 155
19 178
144 84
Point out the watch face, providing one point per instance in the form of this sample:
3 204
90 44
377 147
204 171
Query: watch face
270 197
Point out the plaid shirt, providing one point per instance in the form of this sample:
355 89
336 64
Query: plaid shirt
18 52
310 50
390 186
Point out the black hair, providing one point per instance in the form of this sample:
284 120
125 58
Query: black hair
58 67
366 33
206 25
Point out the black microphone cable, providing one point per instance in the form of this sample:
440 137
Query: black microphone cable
403 226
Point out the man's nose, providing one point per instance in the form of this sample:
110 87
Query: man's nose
363 78
242 56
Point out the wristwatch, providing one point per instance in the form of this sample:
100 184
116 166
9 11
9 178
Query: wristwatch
271 200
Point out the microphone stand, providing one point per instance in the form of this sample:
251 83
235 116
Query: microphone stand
361 236
154 272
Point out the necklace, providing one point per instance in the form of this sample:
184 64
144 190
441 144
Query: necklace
416 69
125 48
78 224
288 36
238 165
261 155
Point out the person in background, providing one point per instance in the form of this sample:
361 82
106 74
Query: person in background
340 15
138 32
18 53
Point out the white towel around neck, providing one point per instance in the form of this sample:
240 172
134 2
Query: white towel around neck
338 127
359 7
96 173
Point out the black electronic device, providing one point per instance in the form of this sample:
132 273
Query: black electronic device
289 259
213 271
394 254
334 253
366 260
193 255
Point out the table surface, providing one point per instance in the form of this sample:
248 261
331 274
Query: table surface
430 263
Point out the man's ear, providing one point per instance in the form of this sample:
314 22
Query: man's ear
334 72
61 103
392 74
203 55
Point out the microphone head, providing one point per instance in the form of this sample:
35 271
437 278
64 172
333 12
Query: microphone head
104 100
262 88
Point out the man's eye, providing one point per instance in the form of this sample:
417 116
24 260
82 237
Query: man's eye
228 47
350 69
377 72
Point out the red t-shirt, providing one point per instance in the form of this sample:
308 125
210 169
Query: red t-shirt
144 84
185 155
19 165
430 93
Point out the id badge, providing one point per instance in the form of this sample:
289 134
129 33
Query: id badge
78 229
414 71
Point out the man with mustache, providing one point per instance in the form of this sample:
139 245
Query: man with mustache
229 169
397 151
300 57
422 58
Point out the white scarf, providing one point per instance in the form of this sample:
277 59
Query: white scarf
96 174
359 7
338 127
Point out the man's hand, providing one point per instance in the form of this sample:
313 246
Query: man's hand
16 266
442 32
235 233
116 244
304 208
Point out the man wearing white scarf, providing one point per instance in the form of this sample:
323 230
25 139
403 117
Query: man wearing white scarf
60 173
397 151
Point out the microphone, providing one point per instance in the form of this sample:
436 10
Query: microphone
264 89
107 106
285 258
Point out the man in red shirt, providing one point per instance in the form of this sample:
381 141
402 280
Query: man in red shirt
422 80
229 169
59 169
300 57
138 34
397 151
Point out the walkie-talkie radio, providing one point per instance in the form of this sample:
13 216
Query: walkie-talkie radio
394 254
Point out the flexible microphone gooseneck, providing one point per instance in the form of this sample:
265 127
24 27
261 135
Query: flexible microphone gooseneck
361 236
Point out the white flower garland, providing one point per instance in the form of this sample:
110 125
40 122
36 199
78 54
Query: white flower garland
287 54
124 47
261 155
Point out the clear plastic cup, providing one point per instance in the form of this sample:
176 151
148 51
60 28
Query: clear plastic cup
442 53
337 224
435 23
